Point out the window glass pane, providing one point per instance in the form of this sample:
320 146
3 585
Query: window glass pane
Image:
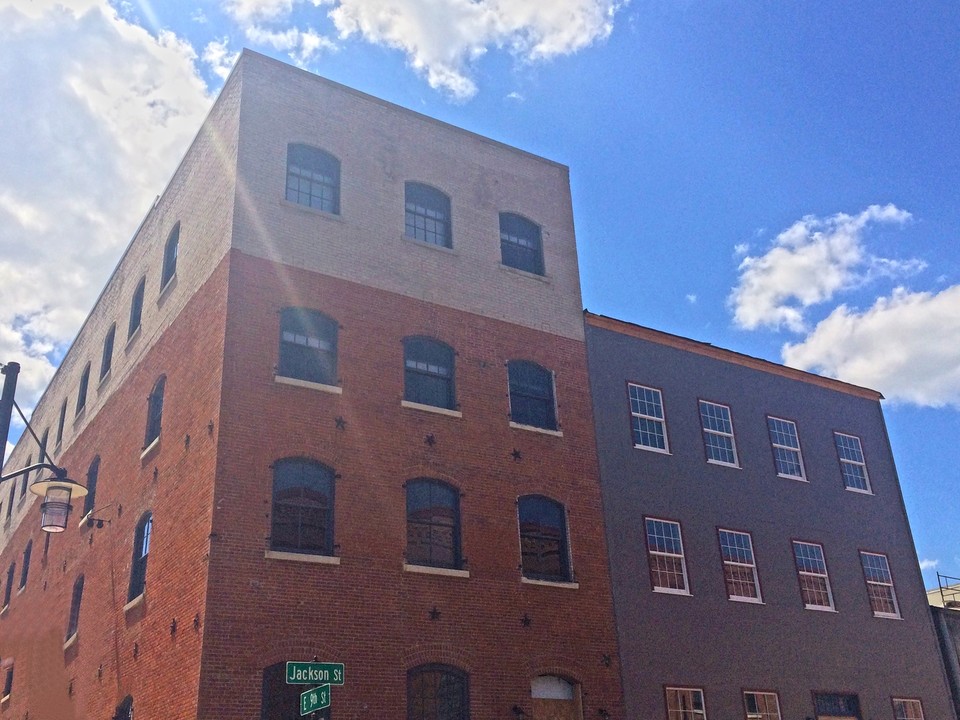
531 395
520 243
647 418
433 524
543 539
437 692
308 346
428 373
427 215
302 507
313 178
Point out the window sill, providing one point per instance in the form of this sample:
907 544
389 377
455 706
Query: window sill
311 210
132 339
70 642
135 603
661 451
430 570
565 584
887 616
84 518
672 591
819 608
526 273
798 478
80 412
429 245
858 491
302 557
733 466
149 449
103 379
167 289
24 587
297 382
431 408
5 700
746 600
4 610
534 428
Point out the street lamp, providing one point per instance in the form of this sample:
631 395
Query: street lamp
57 490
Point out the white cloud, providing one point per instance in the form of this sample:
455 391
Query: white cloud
515 96
219 58
808 264
905 346
741 249
692 299
443 38
100 111
301 45
928 564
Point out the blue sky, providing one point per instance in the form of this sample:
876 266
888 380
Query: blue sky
777 178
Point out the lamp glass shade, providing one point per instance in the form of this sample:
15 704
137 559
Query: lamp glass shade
55 509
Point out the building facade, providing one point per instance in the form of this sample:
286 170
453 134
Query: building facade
343 418
761 560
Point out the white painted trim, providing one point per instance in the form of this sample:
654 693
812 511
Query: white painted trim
431 408
550 583
70 642
133 338
297 382
534 428
648 448
136 602
150 448
302 557
671 591
428 570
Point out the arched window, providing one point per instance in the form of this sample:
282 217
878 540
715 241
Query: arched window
428 372
531 395
427 215
74 619
8 590
281 701
313 178
141 550
91 497
554 696
82 390
170 252
433 524
106 359
308 346
25 567
154 411
437 692
543 539
520 244
124 709
302 518
25 478
136 308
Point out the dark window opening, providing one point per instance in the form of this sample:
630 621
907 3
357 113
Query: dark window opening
63 418
154 412
520 244
302 518
141 550
531 395
170 252
25 568
82 391
313 178
25 478
428 373
427 215
308 346
543 539
124 709
136 308
91 497
106 360
433 524
8 591
74 619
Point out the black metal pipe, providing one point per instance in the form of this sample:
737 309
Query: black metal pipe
10 372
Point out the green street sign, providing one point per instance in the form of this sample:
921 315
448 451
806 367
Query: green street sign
314 673
315 699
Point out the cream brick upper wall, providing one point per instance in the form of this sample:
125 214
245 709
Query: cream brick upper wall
200 197
380 147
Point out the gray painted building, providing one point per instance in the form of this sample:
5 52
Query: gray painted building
761 559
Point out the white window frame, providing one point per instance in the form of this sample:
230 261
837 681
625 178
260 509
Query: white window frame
902 713
887 583
651 553
861 463
661 421
761 715
740 564
787 448
808 573
719 433
682 714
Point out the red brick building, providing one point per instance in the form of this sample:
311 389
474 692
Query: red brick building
333 404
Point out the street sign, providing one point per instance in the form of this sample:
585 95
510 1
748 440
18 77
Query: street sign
314 673
315 699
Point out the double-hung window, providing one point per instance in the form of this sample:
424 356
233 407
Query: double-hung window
531 395
685 704
812 575
880 590
739 566
302 517
433 524
141 551
761 705
170 252
93 473
543 539
718 440
136 308
308 346
427 215
668 568
520 244
154 412
82 390
907 709
106 358
73 620
647 419
313 178
786 448
428 373
852 465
